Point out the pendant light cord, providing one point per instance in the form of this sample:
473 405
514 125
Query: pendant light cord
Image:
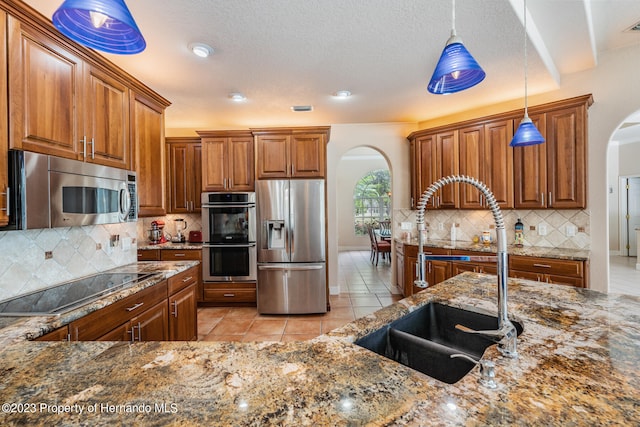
526 113
453 18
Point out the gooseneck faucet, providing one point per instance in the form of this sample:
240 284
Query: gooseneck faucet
506 333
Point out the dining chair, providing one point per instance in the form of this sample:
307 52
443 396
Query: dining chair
378 247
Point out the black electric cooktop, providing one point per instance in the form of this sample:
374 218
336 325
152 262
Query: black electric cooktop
68 296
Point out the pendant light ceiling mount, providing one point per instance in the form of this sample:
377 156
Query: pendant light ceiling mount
456 70
105 25
527 133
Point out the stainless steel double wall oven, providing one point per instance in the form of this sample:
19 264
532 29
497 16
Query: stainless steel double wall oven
229 237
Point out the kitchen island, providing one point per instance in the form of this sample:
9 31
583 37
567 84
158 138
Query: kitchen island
579 363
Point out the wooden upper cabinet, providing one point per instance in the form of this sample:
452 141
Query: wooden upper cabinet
4 123
567 157
45 93
436 156
554 174
147 137
485 154
106 136
530 170
184 174
291 152
308 155
227 161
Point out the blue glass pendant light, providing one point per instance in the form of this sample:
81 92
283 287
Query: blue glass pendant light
527 133
456 69
105 25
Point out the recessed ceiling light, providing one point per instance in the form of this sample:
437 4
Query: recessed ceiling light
200 49
302 108
342 94
237 97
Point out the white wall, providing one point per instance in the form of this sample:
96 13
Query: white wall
388 138
355 164
629 163
613 192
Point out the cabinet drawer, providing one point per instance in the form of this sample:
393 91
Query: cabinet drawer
182 280
148 254
180 254
230 293
98 323
547 266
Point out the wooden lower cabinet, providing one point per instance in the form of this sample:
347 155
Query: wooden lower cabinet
183 323
230 293
60 334
555 271
458 267
436 271
175 255
164 311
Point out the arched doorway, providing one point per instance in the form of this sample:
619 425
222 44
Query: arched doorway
623 187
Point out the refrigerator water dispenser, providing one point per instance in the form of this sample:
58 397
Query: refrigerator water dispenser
275 234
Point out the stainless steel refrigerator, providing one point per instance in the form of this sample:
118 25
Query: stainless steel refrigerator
291 246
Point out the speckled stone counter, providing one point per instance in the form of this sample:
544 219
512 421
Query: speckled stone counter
579 365
534 251
143 245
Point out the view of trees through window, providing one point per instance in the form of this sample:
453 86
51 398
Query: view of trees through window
372 199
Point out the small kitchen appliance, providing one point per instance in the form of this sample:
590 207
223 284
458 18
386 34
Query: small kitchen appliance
156 232
179 225
195 236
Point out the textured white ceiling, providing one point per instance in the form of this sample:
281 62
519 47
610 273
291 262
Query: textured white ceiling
281 53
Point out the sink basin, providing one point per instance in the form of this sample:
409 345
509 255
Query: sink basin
425 339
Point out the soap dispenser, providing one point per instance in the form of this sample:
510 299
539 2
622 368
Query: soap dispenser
453 232
519 228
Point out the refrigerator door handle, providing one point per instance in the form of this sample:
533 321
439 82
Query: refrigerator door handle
291 268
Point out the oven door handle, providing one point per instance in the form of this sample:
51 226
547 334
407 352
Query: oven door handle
228 206
242 245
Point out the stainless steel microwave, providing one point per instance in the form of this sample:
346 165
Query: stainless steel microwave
47 191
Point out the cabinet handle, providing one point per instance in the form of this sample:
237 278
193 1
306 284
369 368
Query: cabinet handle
550 199
542 265
139 332
186 279
429 264
178 255
84 146
541 199
174 313
93 148
229 295
132 332
138 305
6 194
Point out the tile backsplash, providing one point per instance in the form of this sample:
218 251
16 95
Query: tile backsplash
552 228
36 259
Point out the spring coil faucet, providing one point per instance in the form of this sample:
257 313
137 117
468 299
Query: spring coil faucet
506 333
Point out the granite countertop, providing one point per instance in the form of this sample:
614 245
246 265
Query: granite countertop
579 362
144 245
534 251
34 326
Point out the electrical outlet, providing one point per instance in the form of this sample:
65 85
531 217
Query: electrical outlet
406 225
570 230
440 226
542 229
581 230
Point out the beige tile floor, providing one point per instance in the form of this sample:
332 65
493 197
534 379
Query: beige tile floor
623 276
365 288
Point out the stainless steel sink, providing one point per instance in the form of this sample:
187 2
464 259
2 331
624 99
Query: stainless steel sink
425 339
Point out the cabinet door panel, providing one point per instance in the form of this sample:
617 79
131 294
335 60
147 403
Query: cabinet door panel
152 325
214 172
196 179
308 156
440 271
273 156
4 115
472 163
147 124
498 158
107 121
178 177
45 93
530 171
241 164
425 167
182 315
566 158
446 165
